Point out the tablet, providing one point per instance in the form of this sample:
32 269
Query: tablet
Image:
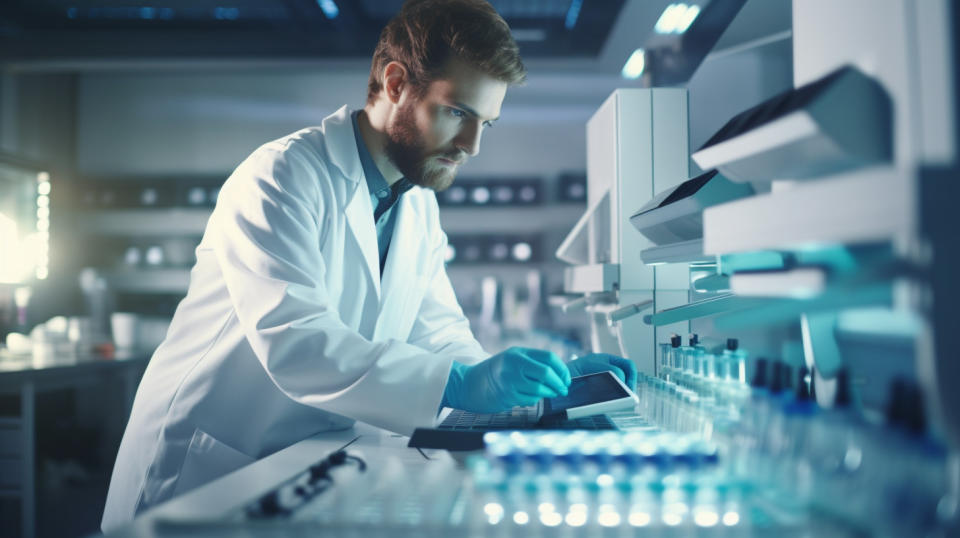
588 395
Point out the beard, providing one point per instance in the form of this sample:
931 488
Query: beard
406 149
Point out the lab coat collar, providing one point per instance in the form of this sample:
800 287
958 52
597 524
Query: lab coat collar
343 153
342 145
401 262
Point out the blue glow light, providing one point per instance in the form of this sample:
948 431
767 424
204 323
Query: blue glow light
147 13
573 13
72 13
329 8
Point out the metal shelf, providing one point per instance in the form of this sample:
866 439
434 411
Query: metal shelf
150 280
509 219
704 308
455 220
146 222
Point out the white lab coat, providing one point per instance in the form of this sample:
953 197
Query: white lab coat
287 328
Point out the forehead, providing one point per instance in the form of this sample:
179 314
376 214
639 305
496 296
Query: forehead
462 84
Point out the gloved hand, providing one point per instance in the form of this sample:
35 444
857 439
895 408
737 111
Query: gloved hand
516 377
601 362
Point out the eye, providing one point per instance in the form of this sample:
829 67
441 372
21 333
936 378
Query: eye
457 113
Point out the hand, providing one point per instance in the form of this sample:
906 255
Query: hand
516 377
602 362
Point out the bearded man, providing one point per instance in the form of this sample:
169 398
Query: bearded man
319 295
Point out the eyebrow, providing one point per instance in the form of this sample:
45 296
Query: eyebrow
472 112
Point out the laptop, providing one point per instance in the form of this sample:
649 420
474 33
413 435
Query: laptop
583 408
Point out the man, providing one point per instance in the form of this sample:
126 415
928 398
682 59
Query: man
319 296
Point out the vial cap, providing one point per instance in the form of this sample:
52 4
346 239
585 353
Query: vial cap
732 344
694 339
896 402
803 390
813 384
675 340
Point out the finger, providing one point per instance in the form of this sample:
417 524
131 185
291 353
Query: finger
536 390
628 367
526 400
534 387
617 372
551 359
543 374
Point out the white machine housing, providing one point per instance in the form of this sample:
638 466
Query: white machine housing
637 146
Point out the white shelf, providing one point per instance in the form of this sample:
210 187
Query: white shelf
867 205
152 222
512 219
789 283
150 280
682 252
591 278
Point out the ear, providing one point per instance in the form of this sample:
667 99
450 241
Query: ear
395 81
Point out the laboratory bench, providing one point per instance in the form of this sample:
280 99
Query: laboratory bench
365 481
25 380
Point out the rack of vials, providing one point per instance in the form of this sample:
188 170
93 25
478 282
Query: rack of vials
879 473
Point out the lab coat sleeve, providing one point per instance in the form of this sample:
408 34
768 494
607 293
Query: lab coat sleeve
266 236
441 326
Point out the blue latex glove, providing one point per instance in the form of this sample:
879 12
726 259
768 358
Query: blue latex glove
601 362
516 377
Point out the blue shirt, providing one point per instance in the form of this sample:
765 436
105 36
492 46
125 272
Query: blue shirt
383 197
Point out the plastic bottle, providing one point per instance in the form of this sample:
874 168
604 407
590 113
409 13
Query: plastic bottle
664 365
835 450
799 416
676 358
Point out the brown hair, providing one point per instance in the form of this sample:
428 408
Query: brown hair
426 33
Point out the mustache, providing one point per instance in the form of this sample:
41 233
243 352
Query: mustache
458 157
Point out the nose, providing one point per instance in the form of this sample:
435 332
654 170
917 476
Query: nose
468 140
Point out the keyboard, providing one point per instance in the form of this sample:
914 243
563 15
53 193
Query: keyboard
521 418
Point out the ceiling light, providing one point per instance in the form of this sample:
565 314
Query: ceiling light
634 66
573 13
677 18
329 8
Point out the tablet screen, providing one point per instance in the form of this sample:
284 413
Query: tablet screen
586 390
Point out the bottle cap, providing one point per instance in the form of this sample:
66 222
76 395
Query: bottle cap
694 339
675 340
760 374
787 377
916 416
732 344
